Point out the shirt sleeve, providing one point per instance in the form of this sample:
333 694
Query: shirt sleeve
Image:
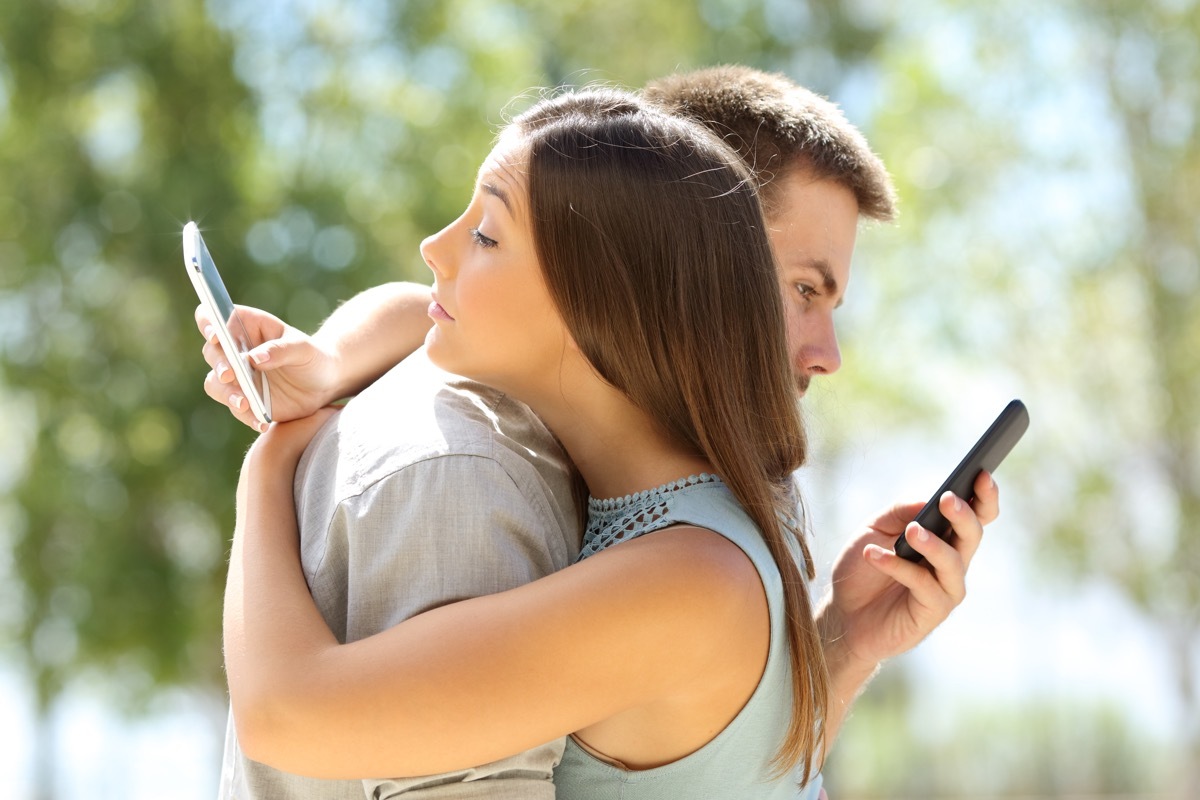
437 531
443 529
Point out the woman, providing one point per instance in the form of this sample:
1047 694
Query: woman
612 272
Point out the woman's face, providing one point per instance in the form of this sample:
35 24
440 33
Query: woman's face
494 320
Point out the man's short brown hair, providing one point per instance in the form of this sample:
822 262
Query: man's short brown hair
778 127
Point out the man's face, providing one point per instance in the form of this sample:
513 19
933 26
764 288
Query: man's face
812 233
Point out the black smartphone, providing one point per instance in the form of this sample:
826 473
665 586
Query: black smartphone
988 452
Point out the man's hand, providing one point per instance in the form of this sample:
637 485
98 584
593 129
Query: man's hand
881 605
303 375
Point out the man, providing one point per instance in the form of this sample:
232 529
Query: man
817 176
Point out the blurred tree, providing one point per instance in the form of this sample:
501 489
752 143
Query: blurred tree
1042 747
1047 222
1138 520
1046 159
114 121
118 118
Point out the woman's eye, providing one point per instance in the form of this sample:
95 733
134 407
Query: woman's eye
807 292
481 240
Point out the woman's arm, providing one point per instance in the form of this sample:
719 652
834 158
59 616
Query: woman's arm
375 330
362 339
643 623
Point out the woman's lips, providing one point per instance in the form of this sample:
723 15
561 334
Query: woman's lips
437 312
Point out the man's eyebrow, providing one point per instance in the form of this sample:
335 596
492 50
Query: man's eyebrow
828 282
496 191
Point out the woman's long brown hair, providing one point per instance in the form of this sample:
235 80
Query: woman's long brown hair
653 246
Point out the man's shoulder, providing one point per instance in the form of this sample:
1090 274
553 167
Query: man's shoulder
415 413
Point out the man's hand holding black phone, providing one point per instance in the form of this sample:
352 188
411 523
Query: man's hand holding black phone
881 605
985 456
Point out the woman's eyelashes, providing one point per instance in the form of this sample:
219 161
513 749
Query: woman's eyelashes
481 240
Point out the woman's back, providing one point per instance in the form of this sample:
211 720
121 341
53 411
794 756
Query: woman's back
736 763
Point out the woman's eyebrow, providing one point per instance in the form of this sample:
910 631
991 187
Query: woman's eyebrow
496 191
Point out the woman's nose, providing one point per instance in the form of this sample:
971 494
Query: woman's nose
432 251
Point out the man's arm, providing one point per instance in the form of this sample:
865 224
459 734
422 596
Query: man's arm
881 605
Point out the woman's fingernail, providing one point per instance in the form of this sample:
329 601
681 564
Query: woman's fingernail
261 357
236 401
210 333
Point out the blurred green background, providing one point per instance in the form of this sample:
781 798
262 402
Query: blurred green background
1047 159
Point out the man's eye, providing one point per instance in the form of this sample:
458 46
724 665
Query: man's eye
481 240
806 291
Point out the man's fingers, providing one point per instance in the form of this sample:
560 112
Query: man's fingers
917 578
946 562
968 530
987 498
892 521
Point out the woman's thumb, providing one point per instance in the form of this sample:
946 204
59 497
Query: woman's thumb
275 354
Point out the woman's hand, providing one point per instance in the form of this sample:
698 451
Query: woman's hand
279 449
360 341
269 468
304 376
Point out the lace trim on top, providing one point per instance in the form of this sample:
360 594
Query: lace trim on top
619 519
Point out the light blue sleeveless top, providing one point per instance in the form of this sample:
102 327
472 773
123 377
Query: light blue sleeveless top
735 765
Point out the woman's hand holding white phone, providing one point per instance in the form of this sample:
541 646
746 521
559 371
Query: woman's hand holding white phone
222 313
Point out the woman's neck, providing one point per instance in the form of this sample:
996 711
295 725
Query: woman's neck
617 447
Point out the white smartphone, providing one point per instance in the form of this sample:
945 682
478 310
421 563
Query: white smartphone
230 330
